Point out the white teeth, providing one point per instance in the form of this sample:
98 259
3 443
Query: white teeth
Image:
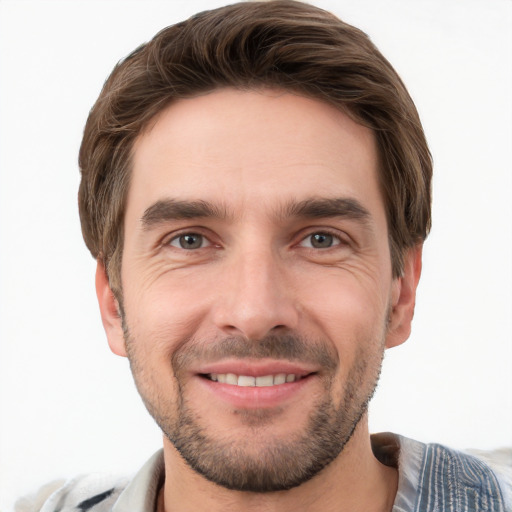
244 380
248 381
267 380
280 378
231 378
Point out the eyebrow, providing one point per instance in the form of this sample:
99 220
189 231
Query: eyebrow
327 207
166 210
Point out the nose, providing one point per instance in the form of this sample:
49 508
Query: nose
256 298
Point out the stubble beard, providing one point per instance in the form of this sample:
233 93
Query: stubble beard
277 464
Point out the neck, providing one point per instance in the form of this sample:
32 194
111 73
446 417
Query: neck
354 481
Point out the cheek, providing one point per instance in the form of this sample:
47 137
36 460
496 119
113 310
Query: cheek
349 310
346 304
165 310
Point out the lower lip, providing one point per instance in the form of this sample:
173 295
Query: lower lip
253 397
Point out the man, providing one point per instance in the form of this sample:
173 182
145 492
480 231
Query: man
256 191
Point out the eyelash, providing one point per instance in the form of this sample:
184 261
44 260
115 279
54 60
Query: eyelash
337 240
177 237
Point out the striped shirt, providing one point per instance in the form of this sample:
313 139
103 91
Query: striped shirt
432 478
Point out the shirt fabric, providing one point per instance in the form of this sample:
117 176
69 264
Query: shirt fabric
432 478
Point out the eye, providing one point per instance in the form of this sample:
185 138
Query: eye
320 240
189 241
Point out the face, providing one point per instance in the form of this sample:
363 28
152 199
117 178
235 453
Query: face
257 288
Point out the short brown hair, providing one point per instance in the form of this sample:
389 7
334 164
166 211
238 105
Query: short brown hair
279 44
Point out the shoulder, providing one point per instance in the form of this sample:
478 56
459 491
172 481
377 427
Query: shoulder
500 462
94 493
100 492
448 479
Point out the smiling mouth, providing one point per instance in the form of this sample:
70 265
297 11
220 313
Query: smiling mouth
250 381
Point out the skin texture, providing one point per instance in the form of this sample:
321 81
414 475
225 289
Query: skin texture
265 279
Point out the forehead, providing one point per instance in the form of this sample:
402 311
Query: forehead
252 148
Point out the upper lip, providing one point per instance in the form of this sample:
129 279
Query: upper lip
257 368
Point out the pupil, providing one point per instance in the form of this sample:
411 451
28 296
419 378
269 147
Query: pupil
190 241
321 240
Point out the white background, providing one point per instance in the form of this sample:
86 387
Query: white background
68 405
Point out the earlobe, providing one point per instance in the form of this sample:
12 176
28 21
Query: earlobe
404 298
109 308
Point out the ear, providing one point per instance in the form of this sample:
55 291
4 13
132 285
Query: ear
404 298
109 308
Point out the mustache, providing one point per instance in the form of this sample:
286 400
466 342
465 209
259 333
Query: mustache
286 346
